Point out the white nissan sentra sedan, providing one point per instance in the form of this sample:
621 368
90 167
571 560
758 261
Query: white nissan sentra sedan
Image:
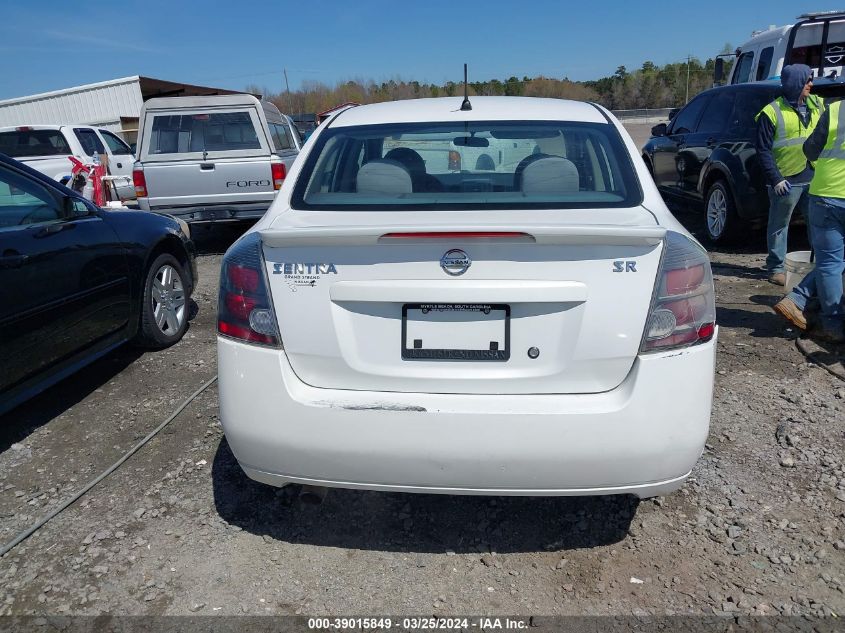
486 301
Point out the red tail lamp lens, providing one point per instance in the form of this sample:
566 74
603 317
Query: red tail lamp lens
243 278
240 306
245 308
684 280
683 310
140 182
278 171
244 333
706 331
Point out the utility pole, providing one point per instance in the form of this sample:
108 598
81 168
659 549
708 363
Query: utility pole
689 57
287 89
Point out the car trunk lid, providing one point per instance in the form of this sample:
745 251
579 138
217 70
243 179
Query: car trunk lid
541 307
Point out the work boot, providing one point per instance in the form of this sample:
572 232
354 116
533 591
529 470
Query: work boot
778 279
788 310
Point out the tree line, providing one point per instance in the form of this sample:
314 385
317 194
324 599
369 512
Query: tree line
649 86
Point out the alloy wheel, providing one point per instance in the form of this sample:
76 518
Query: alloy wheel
717 213
168 300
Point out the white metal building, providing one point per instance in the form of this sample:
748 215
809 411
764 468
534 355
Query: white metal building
113 105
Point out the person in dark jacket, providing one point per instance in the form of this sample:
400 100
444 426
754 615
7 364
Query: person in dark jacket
782 128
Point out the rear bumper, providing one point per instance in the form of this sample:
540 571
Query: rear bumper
211 213
642 438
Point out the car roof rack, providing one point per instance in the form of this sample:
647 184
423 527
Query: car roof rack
821 15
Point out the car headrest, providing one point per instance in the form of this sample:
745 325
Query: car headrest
407 157
550 174
383 177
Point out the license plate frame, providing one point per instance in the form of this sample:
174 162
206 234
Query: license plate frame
459 355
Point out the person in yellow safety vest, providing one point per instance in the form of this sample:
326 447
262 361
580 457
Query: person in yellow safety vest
782 127
826 146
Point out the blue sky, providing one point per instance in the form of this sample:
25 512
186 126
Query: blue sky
47 44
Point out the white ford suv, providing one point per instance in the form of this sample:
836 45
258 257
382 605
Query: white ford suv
532 323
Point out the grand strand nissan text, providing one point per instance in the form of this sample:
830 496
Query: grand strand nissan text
492 301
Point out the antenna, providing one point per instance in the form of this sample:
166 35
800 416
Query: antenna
466 105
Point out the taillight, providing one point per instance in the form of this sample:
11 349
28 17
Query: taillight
279 173
139 181
244 310
683 309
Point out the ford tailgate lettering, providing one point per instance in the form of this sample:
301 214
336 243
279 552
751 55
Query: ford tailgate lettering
248 183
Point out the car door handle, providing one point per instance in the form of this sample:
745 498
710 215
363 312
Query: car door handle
52 229
207 166
12 259
119 165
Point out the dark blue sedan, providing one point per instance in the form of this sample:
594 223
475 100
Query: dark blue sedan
76 281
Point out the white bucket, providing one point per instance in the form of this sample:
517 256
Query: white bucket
797 266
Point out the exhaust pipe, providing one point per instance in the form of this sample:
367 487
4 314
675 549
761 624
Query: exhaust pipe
312 495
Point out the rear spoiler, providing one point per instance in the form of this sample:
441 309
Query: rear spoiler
389 233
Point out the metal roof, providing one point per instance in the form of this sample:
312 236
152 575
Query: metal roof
104 103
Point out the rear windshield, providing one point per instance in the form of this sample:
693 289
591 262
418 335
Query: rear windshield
499 164
202 132
280 136
33 143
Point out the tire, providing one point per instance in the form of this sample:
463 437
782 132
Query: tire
721 222
164 304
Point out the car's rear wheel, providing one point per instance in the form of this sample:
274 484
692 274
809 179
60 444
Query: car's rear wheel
721 220
164 311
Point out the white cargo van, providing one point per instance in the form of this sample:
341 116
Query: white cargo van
216 158
817 40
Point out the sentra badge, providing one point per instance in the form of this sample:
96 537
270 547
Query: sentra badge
299 274
288 268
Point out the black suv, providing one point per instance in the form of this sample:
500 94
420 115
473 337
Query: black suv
705 157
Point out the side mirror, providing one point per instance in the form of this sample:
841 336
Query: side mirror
659 130
719 70
76 208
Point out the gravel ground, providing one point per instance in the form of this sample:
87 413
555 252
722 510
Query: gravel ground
758 529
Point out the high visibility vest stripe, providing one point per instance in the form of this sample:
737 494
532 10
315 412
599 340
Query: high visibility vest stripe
788 139
834 148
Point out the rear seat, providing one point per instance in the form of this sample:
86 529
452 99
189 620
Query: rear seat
383 177
549 174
